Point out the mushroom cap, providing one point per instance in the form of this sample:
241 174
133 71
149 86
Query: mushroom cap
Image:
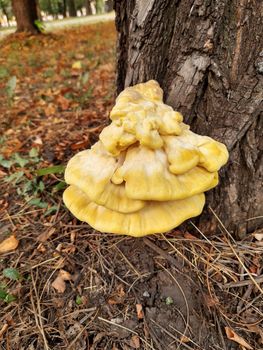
115 139
91 171
148 172
155 217
212 154
140 115
182 156
147 177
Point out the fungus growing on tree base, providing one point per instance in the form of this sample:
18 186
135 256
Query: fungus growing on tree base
147 173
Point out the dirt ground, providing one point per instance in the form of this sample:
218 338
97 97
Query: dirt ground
67 286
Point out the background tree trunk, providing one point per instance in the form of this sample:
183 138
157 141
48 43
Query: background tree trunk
72 8
64 8
99 6
208 58
88 8
25 12
109 5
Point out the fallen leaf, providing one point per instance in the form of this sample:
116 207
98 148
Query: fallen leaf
79 56
3 330
188 235
118 296
184 339
2 173
135 342
50 110
256 329
43 237
63 102
114 347
139 311
77 65
72 236
120 291
80 144
38 140
258 236
211 301
112 301
59 283
8 244
231 335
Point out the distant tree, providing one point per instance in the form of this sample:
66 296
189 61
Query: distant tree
6 9
64 8
26 14
54 7
79 5
72 8
99 6
88 7
109 5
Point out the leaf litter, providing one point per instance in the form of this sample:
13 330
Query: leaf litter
62 284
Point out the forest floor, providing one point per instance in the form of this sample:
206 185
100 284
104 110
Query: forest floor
64 285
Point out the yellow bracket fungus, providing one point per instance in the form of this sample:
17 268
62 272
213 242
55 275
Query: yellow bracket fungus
147 173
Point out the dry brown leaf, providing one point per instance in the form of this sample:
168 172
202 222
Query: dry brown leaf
184 339
258 236
41 248
120 291
8 244
80 144
256 329
59 283
139 311
72 237
211 301
231 335
2 173
63 102
50 110
3 330
188 235
135 342
43 237
79 56
112 301
38 141
114 347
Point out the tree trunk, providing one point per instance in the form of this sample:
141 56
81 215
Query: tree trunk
109 5
208 58
99 6
25 12
88 8
5 12
72 8
64 9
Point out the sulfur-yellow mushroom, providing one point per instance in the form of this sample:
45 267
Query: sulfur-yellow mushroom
147 173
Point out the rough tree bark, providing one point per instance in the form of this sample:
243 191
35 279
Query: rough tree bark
25 12
208 57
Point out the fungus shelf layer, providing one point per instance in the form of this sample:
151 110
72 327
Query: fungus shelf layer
147 173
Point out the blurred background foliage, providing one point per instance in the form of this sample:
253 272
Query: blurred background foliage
49 10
